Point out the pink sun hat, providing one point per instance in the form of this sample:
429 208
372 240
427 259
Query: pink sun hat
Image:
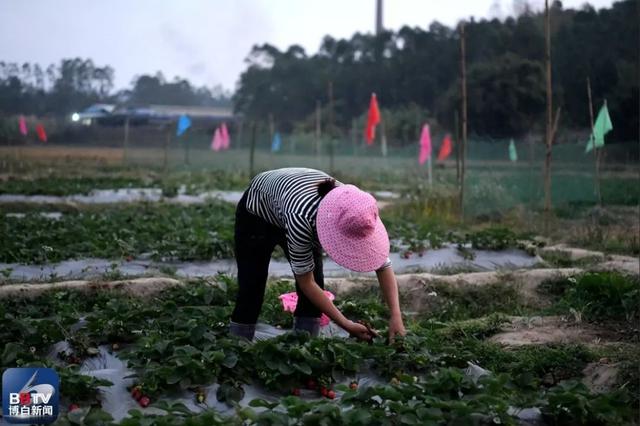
350 229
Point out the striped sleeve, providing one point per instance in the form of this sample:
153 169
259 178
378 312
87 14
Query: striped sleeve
300 243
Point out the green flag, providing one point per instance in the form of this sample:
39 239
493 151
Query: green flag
513 154
602 127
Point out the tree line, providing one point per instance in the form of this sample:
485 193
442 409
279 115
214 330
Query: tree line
413 71
416 69
74 84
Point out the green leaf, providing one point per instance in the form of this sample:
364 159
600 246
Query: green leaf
10 353
303 368
259 402
230 360
285 368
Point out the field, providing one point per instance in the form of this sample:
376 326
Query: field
142 339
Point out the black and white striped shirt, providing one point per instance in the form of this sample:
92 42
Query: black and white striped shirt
288 198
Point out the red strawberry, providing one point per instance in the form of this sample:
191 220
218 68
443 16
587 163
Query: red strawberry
353 385
323 391
129 258
406 254
144 401
331 394
73 407
311 384
136 393
295 392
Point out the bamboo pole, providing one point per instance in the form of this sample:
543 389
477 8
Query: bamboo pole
167 141
463 80
549 136
596 183
556 121
383 136
125 142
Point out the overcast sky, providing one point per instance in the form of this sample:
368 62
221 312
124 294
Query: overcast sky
206 41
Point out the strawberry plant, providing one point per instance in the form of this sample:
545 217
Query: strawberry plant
194 232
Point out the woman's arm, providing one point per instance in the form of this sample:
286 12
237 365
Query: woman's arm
389 287
316 295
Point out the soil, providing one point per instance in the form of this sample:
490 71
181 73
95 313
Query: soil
551 329
416 289
139 287
601 376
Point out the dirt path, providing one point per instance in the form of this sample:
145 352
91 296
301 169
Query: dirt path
412 286
141 287
540 330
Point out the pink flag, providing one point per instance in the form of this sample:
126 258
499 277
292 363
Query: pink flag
216 142
23 126
425 145
224 134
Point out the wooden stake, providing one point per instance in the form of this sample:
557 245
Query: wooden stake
596 183
167 141
383 136
463 79
556 120
125 142
549 136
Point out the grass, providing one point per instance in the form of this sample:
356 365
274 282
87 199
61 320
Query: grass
597 296
454 303
562 259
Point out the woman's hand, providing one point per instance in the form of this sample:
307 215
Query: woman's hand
359 331
389 286
396 327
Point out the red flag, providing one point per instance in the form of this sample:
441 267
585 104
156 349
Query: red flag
372 120
42 135
445 149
